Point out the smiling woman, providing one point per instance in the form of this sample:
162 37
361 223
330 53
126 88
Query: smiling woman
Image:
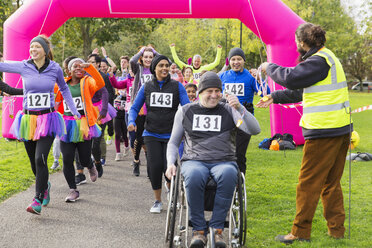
38 123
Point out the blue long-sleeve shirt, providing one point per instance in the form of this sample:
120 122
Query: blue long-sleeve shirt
243 84
140 100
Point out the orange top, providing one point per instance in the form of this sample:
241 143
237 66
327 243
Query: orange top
89 85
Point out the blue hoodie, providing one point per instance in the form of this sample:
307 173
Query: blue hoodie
243 84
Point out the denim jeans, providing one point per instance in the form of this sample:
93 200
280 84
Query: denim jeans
196 174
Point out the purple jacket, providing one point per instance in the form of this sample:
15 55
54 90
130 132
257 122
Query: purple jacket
40 82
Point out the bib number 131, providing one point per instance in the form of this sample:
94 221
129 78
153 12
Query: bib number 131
161 100
206 123
38 100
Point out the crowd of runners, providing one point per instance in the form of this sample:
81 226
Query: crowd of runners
206 116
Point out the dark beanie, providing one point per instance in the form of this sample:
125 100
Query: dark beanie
236 51
156 60
209 80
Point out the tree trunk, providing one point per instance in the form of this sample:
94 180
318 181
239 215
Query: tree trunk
87 40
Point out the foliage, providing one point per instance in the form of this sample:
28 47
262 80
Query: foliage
85 33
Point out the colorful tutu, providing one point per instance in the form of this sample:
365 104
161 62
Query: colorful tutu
78 130
111 112
32 127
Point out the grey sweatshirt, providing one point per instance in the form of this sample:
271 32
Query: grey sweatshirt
209 146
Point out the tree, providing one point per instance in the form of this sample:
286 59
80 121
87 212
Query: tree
83 33
7 7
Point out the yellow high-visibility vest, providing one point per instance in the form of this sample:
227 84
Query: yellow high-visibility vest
326 103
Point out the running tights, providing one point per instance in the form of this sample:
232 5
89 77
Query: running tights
37 152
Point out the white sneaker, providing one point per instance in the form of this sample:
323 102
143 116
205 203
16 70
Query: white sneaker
55 165
125 152
157 207
109 140
118 157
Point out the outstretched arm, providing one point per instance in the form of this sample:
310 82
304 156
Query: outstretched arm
216 61
175 56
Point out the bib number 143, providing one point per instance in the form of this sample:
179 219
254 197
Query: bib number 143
206 123
161 100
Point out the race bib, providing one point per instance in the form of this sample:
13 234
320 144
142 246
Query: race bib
119 103
235 88
146 77
78 104
38 100
196 76
158 99
206 123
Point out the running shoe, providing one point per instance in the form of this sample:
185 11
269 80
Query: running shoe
199 240
99 169
125 152
109 140
103 161
93 173
34 207
55 165
72 196
118 156
218 239
157 207
81 179
136 168
46 199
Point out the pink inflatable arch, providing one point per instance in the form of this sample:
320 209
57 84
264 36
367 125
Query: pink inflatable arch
270 20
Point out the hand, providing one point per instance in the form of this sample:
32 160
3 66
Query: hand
104 53
171 171
95 51
178 71
132 128
85 65
76 117
233 101
6 94
265 104
109 71
264 66
219 46
100 117
253 72
172 45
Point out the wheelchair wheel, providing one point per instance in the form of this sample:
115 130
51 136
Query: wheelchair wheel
237 220
172 210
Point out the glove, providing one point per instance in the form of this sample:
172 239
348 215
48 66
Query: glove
227 62
189 61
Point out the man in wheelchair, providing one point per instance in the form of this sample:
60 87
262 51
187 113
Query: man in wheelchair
209 127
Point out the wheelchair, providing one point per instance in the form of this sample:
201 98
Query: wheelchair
178 227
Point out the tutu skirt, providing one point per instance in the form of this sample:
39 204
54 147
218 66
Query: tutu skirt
78 130
111 112
32 127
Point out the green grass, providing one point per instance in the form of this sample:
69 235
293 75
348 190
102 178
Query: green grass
271 186
272 177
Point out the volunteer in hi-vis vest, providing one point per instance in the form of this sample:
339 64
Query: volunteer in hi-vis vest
326 125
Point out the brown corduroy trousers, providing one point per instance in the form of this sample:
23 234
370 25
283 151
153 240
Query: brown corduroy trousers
321 170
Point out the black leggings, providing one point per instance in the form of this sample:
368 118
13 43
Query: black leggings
38 152
140 124
120 132
156 160
110 128
96 149
68 151
242 141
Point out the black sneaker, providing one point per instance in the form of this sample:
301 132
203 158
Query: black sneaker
99 169
136 168
80 179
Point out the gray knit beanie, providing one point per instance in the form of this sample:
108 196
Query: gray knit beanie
209 80
236 51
